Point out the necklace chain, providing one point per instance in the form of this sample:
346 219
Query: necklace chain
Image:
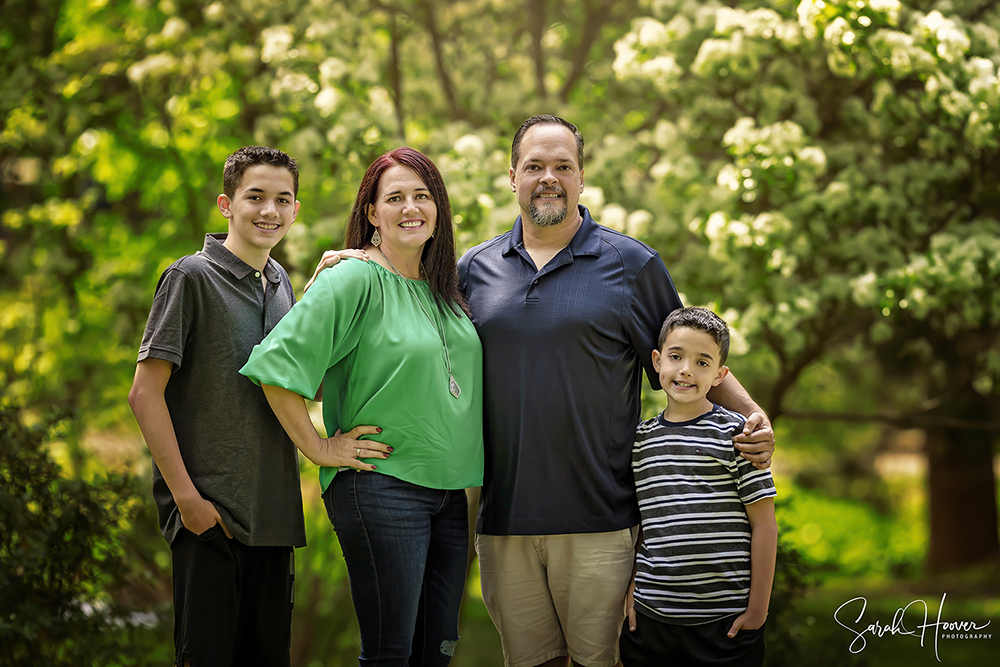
438 327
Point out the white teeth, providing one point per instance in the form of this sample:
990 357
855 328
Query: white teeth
266 226
408 225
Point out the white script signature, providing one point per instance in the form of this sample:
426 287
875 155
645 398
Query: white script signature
897 627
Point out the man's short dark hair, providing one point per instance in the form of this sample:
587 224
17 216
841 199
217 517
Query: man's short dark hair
545 119
701 319
248 156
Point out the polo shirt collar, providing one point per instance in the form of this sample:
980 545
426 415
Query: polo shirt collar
221 255
586 241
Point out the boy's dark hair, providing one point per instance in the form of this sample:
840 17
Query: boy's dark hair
701 319
545 119
248 156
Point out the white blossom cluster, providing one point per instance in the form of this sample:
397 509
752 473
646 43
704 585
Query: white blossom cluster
644 52
952 42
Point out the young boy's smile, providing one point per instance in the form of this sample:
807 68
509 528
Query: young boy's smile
689 366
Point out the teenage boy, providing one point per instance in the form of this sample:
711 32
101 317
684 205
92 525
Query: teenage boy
705 564
225 474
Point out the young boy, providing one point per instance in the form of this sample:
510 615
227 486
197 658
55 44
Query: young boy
705 564
225 474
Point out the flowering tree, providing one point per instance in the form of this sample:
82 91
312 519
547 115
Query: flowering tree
825 170
116 117
841 159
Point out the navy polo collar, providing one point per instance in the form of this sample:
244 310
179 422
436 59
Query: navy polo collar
221 255
586 241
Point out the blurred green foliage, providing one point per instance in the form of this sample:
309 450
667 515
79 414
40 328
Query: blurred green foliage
72 580
824 174
848 538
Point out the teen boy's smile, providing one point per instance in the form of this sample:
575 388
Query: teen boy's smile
260 213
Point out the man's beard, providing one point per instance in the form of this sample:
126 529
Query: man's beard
551 216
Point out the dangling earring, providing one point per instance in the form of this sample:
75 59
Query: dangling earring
376 239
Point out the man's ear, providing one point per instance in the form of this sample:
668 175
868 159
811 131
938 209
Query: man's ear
295 213
513 186
581 180
656 360
723 372
224 203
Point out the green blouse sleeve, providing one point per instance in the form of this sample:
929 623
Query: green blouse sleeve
319 331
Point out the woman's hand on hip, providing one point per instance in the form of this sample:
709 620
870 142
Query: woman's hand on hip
345 450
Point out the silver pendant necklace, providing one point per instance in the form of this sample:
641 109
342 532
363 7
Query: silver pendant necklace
453 387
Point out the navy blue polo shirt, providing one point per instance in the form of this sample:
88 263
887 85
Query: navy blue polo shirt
563 349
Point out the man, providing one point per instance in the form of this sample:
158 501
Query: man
568 313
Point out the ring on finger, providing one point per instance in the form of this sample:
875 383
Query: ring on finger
358 454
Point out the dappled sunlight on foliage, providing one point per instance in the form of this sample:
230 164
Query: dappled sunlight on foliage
822 173
848 538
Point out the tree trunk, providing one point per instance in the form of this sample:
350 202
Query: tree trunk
962 498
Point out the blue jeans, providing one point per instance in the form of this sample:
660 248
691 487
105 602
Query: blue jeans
406 548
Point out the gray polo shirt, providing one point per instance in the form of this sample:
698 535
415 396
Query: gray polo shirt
563 351
208 313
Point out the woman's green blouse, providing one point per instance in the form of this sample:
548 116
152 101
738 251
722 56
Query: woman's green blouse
360 332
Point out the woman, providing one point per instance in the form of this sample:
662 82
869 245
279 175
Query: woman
391 343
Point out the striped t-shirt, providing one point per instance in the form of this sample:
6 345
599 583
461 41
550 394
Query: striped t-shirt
692 484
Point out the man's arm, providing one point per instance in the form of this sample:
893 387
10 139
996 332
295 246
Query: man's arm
150 408
763 551
756 443
340 450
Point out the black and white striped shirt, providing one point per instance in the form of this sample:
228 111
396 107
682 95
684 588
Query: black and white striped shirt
692 484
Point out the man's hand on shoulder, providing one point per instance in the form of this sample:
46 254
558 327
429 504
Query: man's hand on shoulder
756 442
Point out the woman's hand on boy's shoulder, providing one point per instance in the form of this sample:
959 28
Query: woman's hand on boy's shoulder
332 258
756 442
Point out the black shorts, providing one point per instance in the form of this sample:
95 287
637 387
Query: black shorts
655 643
232 603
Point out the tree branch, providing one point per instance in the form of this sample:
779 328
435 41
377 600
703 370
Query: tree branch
982 11
396 77
536 25
901 421
596 18
447 85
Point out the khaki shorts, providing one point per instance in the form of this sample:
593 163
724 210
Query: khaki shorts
557 595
